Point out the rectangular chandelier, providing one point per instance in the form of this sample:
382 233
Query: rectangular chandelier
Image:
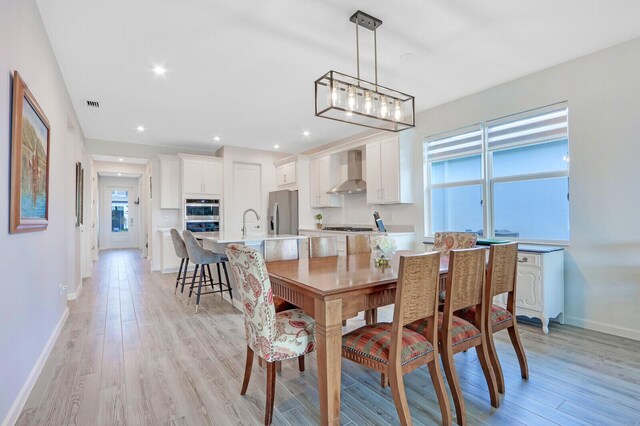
349 99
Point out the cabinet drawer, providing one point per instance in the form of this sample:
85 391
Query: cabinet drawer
528 259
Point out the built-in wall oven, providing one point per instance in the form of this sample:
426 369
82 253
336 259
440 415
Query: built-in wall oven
202 215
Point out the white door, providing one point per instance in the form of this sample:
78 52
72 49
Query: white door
247 194
390 156
372 173
119 213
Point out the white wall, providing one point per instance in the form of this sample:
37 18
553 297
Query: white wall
33 265
602 263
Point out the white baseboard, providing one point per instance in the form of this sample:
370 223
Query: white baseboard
603 327
74 296
16 408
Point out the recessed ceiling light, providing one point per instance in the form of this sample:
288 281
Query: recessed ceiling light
306 133
120 159
216 138
119 174
276 146
140 129
159 70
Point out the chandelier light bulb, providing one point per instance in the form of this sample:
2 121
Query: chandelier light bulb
397 111
335 94
368 102
384 107
352 98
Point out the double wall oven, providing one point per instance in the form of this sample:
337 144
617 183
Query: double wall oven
202 215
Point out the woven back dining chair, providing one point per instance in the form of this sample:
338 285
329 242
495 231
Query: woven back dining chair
323 247
395 350
444 242
501 278
465 288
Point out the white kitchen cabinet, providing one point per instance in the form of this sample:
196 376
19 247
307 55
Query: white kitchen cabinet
286 174
170 262
539 285
388 171
170 191
324 174
202 175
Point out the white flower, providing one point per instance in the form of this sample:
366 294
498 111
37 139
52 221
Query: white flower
385 244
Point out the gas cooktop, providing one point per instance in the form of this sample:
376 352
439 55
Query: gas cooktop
346 229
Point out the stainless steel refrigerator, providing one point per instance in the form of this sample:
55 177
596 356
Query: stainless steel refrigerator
283 212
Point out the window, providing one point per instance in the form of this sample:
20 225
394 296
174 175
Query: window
504 178
119 211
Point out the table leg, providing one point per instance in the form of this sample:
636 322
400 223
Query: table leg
328 316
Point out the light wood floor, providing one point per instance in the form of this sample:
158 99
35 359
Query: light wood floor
132 353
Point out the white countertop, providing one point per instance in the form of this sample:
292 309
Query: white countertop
222 238
354 232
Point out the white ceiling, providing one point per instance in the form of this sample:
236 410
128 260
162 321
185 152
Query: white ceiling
244 70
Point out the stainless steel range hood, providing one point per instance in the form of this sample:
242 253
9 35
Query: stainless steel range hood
354 183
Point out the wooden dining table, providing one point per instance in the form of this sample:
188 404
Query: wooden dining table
332 289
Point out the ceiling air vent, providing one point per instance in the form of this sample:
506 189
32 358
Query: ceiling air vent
94 104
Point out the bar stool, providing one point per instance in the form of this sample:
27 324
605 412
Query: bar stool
181 252
204 258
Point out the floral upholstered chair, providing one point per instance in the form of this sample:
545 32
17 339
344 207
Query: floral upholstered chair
444 242
272 336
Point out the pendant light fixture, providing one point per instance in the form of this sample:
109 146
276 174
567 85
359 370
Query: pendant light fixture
350 99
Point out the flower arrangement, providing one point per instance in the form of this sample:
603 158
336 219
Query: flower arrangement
383 248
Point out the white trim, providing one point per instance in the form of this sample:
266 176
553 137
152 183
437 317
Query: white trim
603 327
21 399
74 296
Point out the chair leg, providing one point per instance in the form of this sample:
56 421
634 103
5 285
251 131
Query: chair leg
454 385
210 277
517 345
226 277
495 362
301 363
202 274
384 380
247 370
399 395
178 277
485 363
271 392
184 275
219 278
441 392
193 282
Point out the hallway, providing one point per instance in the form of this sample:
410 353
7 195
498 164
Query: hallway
132 353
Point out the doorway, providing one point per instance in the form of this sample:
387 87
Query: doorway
119 213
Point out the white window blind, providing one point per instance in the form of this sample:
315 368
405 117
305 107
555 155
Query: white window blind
464 142
548 124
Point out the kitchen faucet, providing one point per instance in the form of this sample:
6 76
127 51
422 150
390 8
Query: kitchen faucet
244 221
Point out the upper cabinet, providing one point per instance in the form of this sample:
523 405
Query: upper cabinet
324 173
286 174
202 175
388 171
170 192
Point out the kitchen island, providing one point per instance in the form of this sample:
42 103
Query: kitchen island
217 242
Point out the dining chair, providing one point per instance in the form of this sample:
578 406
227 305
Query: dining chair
272 336
501 278
465 288
323 247
395 350
283 249
361 244
358 244
203 258
444 242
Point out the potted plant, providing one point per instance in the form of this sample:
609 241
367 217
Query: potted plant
318 219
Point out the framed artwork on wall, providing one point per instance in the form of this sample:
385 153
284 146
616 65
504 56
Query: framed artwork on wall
30 136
